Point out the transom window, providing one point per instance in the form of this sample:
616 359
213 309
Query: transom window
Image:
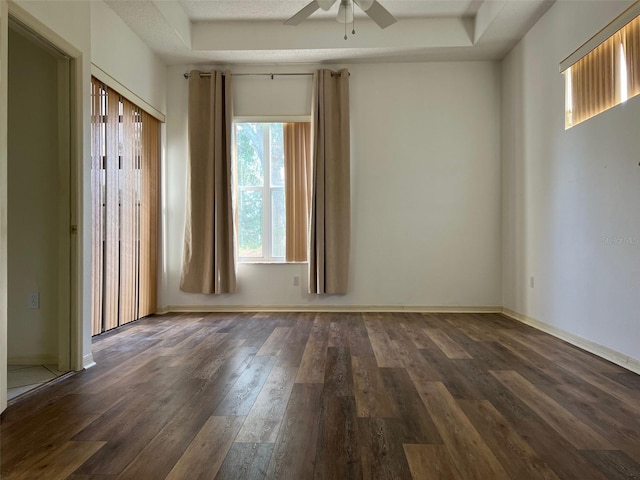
605 71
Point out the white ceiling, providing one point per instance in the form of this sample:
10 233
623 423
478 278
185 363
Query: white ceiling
252 31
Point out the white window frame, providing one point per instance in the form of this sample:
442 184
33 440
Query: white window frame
266 188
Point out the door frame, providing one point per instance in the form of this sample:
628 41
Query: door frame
70 331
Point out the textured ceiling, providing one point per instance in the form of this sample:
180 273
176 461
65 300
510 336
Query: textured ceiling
252 31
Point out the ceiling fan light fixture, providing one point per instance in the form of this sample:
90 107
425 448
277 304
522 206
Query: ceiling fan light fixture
364 4
326 4
345 13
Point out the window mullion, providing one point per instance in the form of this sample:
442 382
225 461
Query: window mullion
266 194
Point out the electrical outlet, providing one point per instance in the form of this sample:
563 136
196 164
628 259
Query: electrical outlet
33 300
531 282
296 280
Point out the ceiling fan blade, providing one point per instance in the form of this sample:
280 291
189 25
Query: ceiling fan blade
326 4
303 14
380 15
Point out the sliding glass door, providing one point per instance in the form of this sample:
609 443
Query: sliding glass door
124 180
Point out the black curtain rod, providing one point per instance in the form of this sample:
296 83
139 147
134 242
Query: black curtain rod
286 74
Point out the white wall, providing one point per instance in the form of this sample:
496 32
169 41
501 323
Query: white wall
119 52
33 170
425 188
570 202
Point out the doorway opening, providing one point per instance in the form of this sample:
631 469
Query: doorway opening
38 211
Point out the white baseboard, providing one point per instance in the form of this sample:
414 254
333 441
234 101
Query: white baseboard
322 308
87 361
607 353
32 359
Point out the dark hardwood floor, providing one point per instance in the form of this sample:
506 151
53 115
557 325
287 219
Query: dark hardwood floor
329 396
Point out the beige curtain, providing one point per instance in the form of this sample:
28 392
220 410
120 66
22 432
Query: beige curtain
209 256
329 226
631 41
297 157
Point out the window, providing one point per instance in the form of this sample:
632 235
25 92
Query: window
272 178
260 191
603 72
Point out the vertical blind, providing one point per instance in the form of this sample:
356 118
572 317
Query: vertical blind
605 77
630 36
593 82
124 181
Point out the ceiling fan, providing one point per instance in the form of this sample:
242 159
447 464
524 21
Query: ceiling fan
372 8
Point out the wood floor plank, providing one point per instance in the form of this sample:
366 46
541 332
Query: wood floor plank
562 457
291 354
416 335
139 400
338 377
33 438
160 455
515 455
576 432
476 330
295 449
263 420
506 402
359 344
630 397
129 371
206 364
414 362
504 359
417 425
383 349
246 461
606 418
338 333
430 462
372 397
205 455
626 379
455 381
445 343
312 366
472 457
613 463
275 342
241 397
573 385
338 450
59 464
80 476
565 353
127 441
382 457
